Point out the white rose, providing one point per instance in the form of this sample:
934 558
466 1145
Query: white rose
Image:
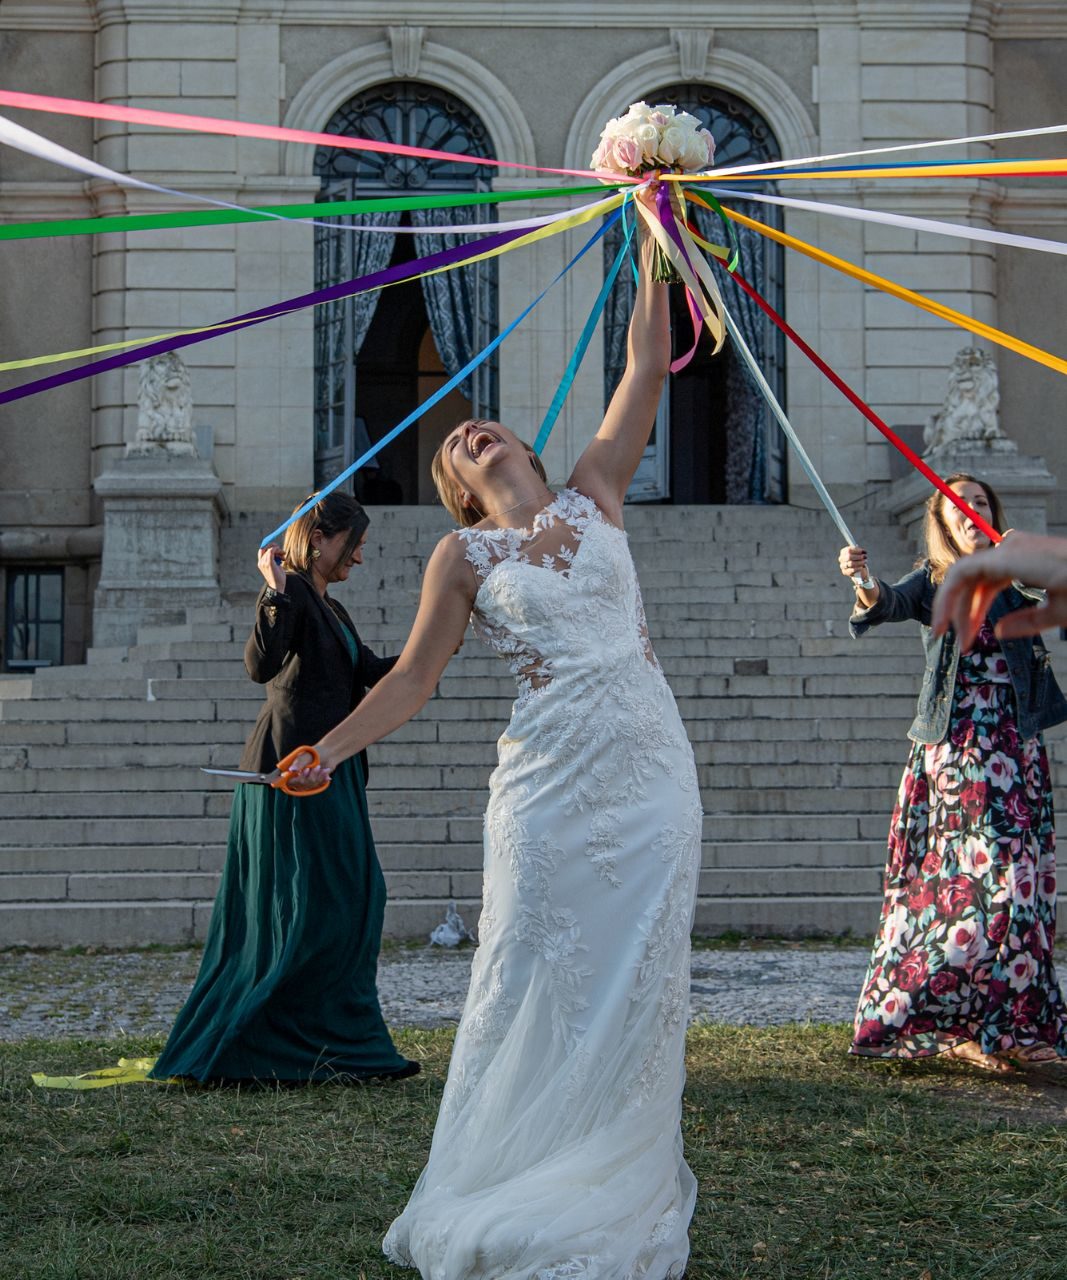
639 111
672 144
647 138
694 154
686 120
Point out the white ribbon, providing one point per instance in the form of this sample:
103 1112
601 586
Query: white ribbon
958 229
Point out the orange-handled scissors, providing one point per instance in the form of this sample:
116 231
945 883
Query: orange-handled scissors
279 776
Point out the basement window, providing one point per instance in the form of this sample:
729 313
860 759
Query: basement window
34 619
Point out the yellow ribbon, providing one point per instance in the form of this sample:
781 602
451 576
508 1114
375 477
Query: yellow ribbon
128 1071
938 309
983 169
564 223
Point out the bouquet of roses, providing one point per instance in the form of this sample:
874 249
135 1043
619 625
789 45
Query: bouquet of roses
649 140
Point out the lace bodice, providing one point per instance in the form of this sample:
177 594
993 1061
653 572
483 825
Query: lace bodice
559 599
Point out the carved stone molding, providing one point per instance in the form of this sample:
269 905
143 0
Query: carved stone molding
407 44
692 47
364 66
637 77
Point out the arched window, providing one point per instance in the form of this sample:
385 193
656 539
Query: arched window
378 355
715 439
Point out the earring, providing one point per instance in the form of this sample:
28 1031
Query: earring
315 553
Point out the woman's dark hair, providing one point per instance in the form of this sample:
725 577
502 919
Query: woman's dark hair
334 514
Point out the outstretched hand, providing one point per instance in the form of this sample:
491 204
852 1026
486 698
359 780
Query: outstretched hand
974 582
303 775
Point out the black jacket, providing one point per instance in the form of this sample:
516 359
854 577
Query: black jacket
298 649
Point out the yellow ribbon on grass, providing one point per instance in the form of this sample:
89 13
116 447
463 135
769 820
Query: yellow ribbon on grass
128 1071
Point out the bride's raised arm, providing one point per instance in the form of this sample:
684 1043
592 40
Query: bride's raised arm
607 466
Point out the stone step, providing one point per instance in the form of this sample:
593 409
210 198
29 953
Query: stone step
186 777
49 763
120 859
201 886
119 923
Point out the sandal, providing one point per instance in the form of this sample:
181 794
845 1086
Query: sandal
969 1052
1035 1055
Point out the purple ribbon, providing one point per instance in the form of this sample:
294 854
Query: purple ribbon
376 280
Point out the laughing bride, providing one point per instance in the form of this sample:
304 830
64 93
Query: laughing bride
558 1149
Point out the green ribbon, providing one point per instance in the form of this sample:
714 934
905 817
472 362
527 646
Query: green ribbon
272 212
731 234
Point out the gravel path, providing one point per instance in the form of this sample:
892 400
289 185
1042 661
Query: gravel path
55 994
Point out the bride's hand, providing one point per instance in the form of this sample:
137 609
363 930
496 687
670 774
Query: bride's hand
304 776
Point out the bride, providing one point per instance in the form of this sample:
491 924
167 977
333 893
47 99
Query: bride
558 1149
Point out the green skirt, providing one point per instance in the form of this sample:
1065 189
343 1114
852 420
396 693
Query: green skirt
287 986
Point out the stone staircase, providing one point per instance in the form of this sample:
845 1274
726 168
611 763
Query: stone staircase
109 834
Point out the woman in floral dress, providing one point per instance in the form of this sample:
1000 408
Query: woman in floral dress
963 960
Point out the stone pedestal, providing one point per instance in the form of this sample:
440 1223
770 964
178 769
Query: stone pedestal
1022 483
161 543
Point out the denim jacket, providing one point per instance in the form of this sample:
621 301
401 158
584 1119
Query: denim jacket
1039 703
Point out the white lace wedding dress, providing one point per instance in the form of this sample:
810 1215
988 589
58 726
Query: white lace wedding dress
558 1148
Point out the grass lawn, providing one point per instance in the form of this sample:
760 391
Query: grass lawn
811 1166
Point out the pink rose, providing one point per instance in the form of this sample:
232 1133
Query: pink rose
912 971
1017 809
932 863
944 982
626 153
870 1032
973 799
955 895
920 896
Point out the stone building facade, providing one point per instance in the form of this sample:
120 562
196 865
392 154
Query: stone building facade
535 82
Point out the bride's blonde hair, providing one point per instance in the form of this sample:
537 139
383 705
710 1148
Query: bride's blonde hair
451 493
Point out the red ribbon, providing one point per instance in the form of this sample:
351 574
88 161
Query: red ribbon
869 413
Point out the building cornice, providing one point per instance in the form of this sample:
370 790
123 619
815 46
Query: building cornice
1004 19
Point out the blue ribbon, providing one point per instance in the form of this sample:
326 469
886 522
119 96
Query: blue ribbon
441 392
575 362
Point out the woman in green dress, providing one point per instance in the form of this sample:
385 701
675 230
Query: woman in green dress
286 991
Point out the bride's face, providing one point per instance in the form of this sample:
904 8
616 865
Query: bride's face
476 449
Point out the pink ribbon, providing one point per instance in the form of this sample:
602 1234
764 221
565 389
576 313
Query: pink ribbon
271 132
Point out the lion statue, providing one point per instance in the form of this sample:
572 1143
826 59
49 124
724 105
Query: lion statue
164 408
969 413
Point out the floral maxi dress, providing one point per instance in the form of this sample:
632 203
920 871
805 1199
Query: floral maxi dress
964 951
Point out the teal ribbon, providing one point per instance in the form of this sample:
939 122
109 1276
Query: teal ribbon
578 355
442 391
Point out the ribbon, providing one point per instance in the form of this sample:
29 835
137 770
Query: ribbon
868 413
769 167
34 144
269 132
958 229
787 428
689 267
441 392
131 222
446 259
578 355
949 169
938 309
128 1071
